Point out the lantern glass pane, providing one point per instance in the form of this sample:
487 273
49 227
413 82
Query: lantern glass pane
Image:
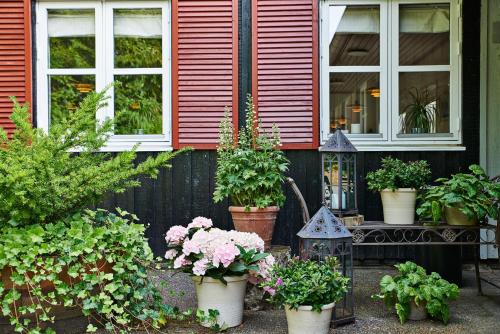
331 181
343 251
348 182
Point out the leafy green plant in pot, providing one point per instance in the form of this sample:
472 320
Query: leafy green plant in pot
54 254
464 199
250 172
398 182
420 114
414 294
308 290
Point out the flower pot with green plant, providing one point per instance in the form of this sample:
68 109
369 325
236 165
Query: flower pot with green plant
250 172
398 182
308 290
464 199
55 255
220 262
414 294
420 114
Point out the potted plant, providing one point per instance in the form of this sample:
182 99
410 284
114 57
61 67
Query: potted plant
398 183
420 114
220 263
308 290
250 170
464 199
414 294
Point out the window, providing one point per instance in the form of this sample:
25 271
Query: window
87 45
390 72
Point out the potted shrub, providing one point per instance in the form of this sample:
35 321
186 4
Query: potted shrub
308 290
414 294
220 263
464 199
398 182
57 259
420 114
250 170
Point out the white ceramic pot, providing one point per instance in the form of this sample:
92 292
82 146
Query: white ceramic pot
399 206
417 313
227 299
305 320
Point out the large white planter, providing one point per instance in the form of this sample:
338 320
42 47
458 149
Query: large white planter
227 299
399 206
306 321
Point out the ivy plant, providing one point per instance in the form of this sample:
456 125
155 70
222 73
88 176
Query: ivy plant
395 174
306 283
474 194
413 285
42 180
250 166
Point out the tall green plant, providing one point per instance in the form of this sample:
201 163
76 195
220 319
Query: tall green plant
251 167
42 181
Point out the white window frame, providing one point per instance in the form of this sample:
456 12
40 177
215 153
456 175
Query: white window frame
389 68
104 70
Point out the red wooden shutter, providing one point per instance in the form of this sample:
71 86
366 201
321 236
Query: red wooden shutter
285 68
205 69
15 56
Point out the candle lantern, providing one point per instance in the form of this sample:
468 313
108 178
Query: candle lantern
338 166
322 236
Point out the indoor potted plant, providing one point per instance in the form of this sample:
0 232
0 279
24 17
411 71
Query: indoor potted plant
420 114
308 290
464 199
398 183
220 263
250 170
414 294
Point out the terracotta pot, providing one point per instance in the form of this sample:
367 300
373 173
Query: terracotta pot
260 221
454 216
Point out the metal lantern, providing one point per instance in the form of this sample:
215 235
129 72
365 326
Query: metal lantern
324 235
338 165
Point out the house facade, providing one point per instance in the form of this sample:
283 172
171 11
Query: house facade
311 66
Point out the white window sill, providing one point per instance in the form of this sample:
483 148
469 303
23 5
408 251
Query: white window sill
151 146
412 148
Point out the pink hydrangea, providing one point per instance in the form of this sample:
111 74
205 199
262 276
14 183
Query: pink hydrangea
200 267
190 246
201 222
270 290
171 254
176 234
247 240
225 254
181 261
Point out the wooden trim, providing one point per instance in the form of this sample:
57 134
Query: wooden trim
234 108
175 76
255 55
315 75
27 56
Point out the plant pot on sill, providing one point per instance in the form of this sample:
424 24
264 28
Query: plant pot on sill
305 320
399 206
454 216
228 299
417 313
260 221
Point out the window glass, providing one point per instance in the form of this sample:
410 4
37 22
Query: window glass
355 102
66 93
138 104
71 35
424 102
424 34
137 38
354 35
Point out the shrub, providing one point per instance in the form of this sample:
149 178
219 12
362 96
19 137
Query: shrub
306 283
250 168
396 174
42 180
412 284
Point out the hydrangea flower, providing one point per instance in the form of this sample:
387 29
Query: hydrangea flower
200 267
171 254
200 222
176 234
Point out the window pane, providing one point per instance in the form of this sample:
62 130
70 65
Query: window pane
355 102
71 38
354 35
424 34
66 93
138 104
424 102
137 37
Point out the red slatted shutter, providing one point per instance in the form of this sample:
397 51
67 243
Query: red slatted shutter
205 69
285 68
15 56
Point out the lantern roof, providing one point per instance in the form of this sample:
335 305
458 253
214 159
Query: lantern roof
324 225
338 143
